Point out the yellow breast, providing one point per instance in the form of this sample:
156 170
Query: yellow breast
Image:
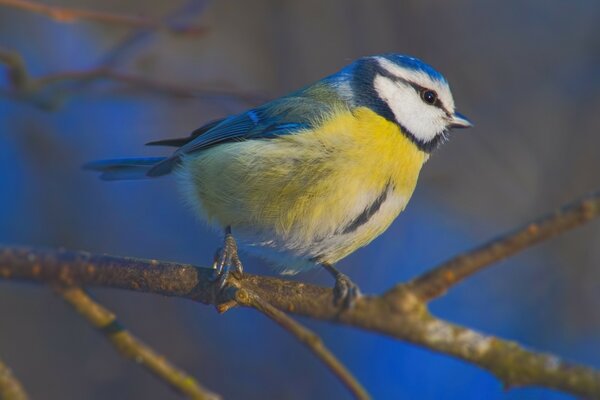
303 195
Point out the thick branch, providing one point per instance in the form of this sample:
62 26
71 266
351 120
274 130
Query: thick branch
131 347
437 281
400 314
64 14
10 387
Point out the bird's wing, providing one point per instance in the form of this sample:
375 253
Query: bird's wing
178 142
283 116
277 118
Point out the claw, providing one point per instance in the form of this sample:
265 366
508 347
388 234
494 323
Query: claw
227 262
345 292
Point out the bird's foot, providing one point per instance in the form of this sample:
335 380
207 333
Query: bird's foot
345 292
227 262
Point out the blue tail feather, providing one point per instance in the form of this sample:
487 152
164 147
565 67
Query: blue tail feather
124 168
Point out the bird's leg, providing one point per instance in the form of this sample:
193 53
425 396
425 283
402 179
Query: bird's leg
227 260
345 292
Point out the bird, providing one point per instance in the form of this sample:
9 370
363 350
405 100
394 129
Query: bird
306 179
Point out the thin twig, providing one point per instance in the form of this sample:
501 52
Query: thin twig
64 14
192 9
141 82
307 337
10 387
133 39
437 281
23 86
131 347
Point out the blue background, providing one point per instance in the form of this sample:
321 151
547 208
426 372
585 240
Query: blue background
526 73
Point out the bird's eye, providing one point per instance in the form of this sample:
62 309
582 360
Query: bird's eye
428 96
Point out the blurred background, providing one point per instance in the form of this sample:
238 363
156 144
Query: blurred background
527 73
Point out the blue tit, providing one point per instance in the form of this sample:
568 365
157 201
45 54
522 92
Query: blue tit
308 178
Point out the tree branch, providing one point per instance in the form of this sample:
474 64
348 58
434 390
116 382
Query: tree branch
186 12
437 281
24 87
307 337
131 347
141 82
10 387
16 70
401 313
64 14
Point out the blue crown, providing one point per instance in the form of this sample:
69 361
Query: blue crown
414 64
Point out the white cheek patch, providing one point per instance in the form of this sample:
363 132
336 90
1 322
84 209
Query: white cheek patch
422 79
424 121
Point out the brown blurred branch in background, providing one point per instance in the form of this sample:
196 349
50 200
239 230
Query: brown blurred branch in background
16 71
182 14
10 387
437 281
24 87
307 337
131 347
64 14
142 83
400 313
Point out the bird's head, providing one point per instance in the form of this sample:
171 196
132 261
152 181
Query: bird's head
408 92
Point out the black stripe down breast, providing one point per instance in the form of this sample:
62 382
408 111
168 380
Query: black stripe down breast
368 212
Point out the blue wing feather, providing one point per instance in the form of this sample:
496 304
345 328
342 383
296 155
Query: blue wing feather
287 115
252 124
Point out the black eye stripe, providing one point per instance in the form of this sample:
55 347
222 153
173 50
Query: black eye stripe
418 88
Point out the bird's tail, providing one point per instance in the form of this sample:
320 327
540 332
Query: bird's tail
124 168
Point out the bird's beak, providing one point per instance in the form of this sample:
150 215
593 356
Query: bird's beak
459 121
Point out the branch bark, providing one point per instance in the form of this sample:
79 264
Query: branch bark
131 347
